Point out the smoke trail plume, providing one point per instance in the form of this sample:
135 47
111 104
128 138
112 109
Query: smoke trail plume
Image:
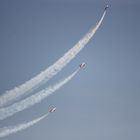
36 98
52 70
5 131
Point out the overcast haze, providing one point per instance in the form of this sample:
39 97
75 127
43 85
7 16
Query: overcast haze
102 102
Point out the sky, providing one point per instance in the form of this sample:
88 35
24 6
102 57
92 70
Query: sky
102 101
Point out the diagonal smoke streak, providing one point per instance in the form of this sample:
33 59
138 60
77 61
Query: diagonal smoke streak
36 98
5 131
52 70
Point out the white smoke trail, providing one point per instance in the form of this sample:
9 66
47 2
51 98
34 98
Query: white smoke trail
52 70
5 131
36 98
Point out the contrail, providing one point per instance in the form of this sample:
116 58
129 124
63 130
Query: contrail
36 98
5 131
52 70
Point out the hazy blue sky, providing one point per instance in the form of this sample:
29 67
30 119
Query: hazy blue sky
103 101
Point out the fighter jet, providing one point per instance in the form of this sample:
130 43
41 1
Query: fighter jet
107 6
52 110
82 65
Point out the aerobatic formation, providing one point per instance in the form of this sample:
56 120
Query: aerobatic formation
8 108
33 99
